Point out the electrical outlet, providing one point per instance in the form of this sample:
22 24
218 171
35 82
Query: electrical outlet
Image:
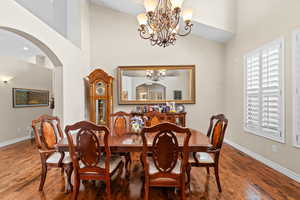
274 148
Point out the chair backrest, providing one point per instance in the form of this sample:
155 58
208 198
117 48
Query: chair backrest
88 142
47 131
216 131
154 118
120 123
165 147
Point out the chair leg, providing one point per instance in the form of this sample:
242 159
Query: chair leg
69 171
108 194
183 197
77 185
218 178
207 170
43 176
128 162
146 187
188 174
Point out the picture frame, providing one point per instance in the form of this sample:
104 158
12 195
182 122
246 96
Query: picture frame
23 98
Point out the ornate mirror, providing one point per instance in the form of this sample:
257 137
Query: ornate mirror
156 84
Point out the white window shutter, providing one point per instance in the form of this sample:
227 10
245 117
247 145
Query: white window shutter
297 89
263 92
271 90
252 92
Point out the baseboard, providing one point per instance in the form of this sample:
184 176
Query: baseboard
289 173
13 141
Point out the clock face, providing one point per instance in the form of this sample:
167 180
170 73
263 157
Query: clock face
100 89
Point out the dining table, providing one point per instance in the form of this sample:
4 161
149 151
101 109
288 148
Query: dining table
132 142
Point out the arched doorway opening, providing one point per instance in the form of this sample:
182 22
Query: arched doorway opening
27 63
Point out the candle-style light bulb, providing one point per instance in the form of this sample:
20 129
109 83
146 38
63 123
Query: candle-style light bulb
177 3
187 15
150 5
142 19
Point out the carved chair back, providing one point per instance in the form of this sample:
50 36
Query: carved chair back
216 132
87 154
120 123
154 118
47 131
165 150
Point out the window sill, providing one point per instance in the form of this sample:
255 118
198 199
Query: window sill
276 139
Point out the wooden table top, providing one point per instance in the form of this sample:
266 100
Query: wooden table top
132 142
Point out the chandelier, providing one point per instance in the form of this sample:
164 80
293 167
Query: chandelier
155 75
160 24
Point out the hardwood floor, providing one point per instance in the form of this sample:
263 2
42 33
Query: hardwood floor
241 176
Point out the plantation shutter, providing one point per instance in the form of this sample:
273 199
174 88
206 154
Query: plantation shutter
252 92
297 89
263 92
271 91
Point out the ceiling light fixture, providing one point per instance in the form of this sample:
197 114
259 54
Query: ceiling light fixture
160 24
156 75
25 48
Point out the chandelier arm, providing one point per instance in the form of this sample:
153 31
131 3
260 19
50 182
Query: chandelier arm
187 28
144 32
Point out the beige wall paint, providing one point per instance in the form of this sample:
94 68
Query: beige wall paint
215 13
257 25
15 123
115 42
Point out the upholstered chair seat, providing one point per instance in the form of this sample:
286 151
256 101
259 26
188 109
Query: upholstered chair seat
56 156
202 157
115 162
153 169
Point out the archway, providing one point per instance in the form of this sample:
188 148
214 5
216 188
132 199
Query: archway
57 70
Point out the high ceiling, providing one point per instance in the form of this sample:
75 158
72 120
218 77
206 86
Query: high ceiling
202 27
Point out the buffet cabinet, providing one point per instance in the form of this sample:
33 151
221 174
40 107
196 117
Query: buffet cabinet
176 118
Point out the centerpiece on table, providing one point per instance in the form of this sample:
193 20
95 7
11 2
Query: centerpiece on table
137 123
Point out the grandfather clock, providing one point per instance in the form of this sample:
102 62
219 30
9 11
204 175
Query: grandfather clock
100 97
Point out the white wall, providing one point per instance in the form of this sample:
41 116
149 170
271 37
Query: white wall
115 42
16 122
61 15
220 14
257 25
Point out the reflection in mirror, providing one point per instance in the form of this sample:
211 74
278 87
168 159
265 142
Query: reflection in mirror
156 84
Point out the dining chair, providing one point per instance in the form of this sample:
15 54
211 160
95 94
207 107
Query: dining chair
91 157
155 118
210 158
120 125
166 164
47 133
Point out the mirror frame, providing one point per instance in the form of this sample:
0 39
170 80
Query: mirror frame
157 67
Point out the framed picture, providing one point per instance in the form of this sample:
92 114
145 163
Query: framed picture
177 95
30 98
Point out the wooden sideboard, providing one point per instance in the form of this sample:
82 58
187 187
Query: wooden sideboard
176 118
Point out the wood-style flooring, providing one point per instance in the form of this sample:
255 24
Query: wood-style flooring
241 176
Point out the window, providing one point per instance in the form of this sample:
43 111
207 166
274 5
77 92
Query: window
296 88
264 114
